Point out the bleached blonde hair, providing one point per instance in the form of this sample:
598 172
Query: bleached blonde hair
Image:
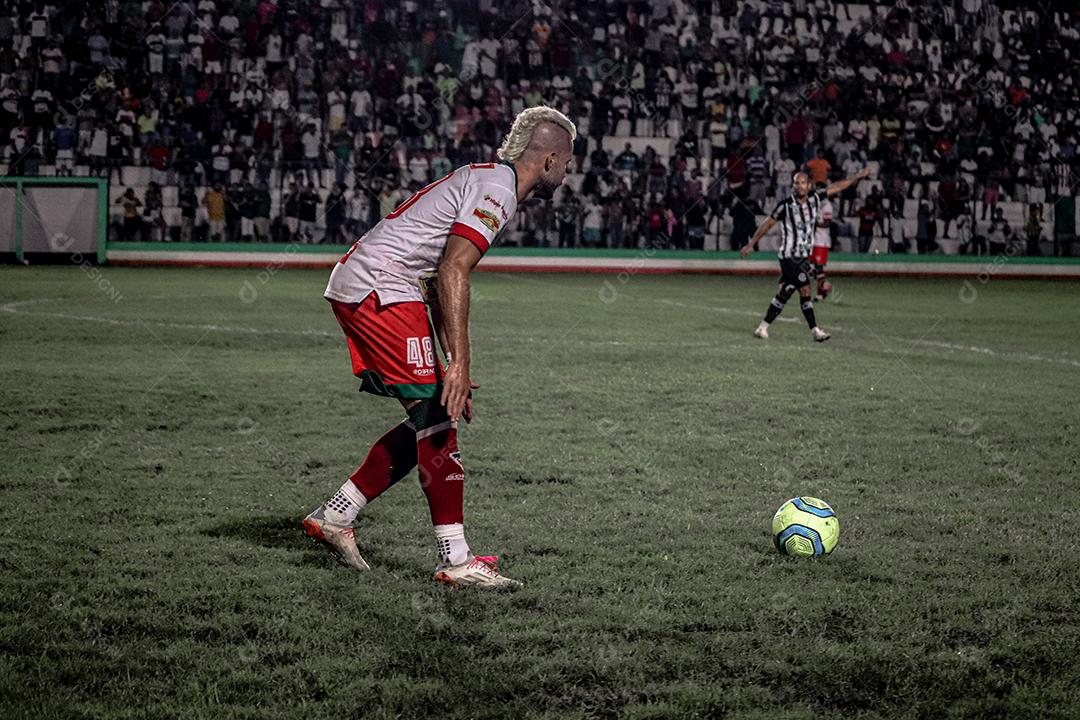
525 124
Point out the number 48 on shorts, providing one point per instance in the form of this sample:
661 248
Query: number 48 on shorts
420 354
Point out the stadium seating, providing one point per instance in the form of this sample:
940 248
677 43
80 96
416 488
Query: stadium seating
794 66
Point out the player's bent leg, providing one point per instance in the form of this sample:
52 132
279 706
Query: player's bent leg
776 306
392 457
442 478
807 306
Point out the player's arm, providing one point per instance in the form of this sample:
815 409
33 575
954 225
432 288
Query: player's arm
452 284
762 231
841 185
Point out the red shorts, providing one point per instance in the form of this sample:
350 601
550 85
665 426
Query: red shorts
820 255
392 347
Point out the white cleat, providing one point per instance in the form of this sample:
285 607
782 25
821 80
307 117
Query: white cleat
762 330
338 539
819 335
478 572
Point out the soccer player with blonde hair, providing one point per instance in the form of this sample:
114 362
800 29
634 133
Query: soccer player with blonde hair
420 256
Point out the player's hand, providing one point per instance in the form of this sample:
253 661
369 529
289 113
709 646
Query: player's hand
746 250
468 414
456 389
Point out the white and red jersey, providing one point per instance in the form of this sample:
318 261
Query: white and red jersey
821 233
475 201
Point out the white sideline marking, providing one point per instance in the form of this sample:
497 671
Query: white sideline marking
995 353
13 308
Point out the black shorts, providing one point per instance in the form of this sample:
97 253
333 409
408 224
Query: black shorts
795 273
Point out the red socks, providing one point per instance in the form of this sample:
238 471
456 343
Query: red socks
435 450
392 457
441 474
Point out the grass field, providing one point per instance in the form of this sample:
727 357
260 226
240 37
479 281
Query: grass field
164 431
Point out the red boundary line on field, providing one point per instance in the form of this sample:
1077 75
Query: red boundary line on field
604 270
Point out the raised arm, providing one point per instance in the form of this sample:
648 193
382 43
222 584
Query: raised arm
452 284
841 185
762 230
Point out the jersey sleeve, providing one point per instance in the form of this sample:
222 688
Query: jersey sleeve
778 212
485 210
822 195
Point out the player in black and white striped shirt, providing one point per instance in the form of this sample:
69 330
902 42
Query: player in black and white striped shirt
797 217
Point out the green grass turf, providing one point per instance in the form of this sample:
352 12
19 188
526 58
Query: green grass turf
626 460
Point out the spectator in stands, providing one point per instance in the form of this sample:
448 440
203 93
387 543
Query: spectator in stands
926 229
158 157
189 204
999 234
214 201
263 203
335 217
1033 229
359 210
153 220
247 205
964 233
118 153
568 213
291 205
870 214
695 220
592 221
946 203
757 175
64 139
312 155
132 223
744 223
991 192
308 204
627 161
615 222
98 149
818 168
898 242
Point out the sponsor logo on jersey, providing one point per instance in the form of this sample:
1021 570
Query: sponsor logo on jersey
488 218
496 203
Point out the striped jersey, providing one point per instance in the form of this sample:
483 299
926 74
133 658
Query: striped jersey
798 222
399 256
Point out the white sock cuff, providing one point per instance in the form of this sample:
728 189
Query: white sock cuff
352 492
453 531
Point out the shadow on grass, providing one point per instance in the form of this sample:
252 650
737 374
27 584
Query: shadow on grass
284 533
271 532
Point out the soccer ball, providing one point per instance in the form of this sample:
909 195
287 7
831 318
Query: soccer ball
805 526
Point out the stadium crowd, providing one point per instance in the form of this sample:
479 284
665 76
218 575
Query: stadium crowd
307 120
